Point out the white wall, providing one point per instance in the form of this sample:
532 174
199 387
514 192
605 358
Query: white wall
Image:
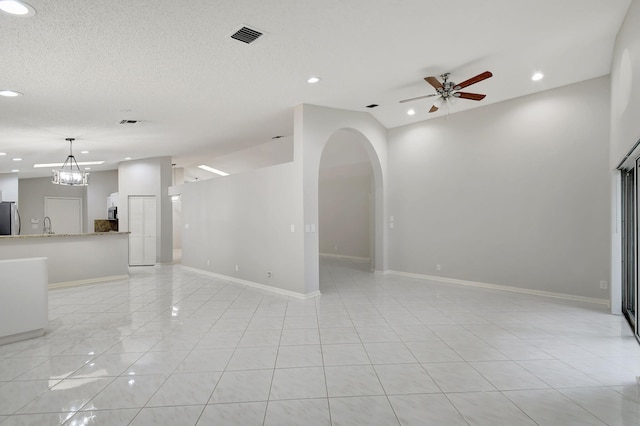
514 194
31 193
101 185
9 187
150 176
246 220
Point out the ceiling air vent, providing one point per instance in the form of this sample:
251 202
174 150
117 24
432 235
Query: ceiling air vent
246 35
129 122
372 106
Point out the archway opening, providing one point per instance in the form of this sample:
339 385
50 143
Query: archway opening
346 202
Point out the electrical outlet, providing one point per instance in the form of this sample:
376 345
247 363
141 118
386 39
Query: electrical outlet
438 267
269 274
603 285
237 268
208 262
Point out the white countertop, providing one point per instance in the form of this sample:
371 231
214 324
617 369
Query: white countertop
2 237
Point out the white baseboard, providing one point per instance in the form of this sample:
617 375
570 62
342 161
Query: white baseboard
342 256
500 287
277 290
65 284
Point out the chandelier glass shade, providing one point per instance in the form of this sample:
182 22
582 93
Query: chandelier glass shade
70 173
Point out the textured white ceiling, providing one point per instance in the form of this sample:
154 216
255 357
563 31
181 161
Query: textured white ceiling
205 98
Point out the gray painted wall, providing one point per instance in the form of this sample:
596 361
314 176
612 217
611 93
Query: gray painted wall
31 193
515 193
345 197
344 210
246 220
94 205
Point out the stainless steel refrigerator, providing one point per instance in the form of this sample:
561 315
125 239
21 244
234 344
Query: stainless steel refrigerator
9 218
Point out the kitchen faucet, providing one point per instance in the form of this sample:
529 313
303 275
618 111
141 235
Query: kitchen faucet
46 225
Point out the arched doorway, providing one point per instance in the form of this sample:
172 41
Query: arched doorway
346 200
313 128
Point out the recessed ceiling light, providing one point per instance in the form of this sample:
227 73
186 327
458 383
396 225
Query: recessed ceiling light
87 168
9 93
313 80
16 8
127 158
2 153
17 159
15 171
212 170
411 112
537 76
80 163
84 152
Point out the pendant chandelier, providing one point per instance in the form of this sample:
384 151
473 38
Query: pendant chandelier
70 173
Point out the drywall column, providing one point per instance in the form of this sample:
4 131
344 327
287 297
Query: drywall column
313 126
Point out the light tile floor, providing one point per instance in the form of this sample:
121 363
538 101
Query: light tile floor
173 347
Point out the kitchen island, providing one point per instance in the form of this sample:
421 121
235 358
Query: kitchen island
73 259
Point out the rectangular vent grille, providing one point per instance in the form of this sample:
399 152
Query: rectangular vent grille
129 122
372 106
246 35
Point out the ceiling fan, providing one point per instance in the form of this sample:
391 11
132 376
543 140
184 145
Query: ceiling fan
449 91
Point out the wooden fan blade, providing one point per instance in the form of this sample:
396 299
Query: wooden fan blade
472 96
434 82
473 80
433 108
416 98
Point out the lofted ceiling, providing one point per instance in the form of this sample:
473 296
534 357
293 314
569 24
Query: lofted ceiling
202 97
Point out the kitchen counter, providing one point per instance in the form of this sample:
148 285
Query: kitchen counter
61 235
73 259
23 299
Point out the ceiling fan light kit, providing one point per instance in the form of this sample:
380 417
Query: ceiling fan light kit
448 92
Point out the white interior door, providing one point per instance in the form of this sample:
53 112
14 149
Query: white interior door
65 214
142 228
